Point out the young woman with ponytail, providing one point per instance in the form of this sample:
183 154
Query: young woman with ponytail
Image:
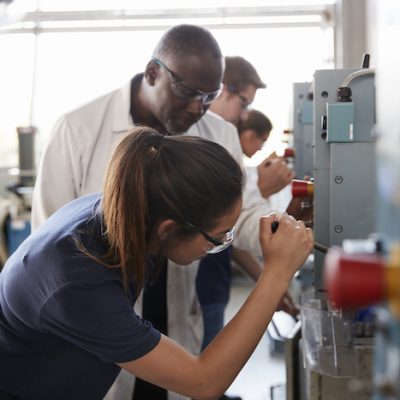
67 323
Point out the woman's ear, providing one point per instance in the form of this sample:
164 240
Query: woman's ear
247 136
165 228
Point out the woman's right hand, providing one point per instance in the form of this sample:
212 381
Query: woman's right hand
287 248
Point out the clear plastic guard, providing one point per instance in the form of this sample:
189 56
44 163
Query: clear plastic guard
327 337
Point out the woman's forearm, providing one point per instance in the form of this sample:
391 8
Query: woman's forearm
226 355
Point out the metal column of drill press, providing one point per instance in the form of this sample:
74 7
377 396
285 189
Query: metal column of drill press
344 208
303 129
344 161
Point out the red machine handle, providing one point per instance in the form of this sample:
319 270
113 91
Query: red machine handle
289 153
354 280
301 188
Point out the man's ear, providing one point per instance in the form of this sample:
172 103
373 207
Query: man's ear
165 229
226 93
225 90
151 72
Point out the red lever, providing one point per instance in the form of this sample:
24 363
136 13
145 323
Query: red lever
289 153
354 280
301 188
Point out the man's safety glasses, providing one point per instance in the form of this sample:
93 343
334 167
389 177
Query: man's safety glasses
245 104
185 91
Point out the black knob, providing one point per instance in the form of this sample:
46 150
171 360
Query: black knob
344 94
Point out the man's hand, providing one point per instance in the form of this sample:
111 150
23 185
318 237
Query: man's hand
302 209
273 176
286 304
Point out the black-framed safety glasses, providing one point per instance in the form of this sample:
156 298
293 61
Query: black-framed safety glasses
245 104
185 91
214 245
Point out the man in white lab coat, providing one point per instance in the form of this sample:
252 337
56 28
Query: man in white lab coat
172 96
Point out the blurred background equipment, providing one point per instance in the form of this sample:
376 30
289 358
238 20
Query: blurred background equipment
16 200
303 129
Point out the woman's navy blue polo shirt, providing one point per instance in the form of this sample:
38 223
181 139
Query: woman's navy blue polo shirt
65 320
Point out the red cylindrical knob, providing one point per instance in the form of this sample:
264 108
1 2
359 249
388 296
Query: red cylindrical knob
354 280
289 153
301 188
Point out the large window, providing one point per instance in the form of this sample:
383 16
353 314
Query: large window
54 61
16 84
